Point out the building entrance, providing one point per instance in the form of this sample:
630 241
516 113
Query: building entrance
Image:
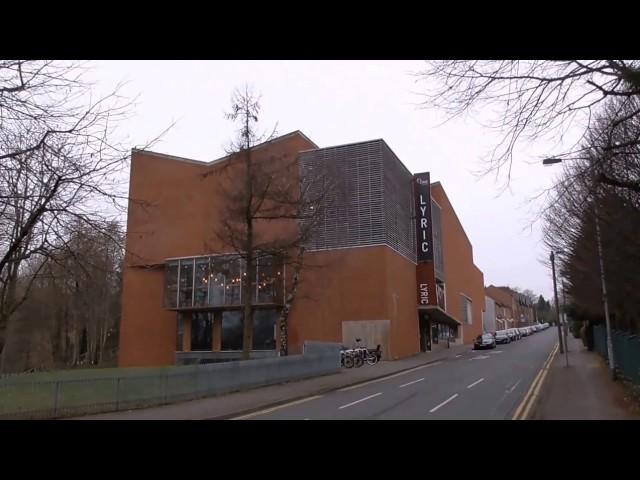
425 332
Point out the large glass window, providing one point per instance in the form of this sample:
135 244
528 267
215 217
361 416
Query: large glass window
440 295
171 285
228 272
217 281
264 333
231 330
201 282
466 310
201 331
186 283
269 280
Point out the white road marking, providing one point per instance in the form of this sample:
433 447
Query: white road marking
307 419
358 401
459 355
443 403
480 357
497 351
514 387
269 410
346 389
475 383
411 383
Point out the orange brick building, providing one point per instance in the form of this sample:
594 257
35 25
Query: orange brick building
513 309
395 266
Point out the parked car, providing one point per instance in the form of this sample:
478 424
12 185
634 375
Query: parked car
502 337
517 333
486 340
512 335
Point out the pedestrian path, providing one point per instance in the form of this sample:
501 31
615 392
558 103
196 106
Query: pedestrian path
581 391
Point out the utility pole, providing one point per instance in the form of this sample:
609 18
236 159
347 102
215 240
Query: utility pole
564 317
555 293
605 302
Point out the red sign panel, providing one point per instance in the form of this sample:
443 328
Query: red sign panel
426 282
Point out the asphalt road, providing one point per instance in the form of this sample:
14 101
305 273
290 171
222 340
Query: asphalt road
483 385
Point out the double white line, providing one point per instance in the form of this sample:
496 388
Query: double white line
522 413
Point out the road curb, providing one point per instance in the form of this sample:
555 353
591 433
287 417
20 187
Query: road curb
322 391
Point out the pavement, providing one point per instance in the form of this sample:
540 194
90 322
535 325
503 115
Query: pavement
244 402
582 391
471 385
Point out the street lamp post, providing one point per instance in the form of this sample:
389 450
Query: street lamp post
605 302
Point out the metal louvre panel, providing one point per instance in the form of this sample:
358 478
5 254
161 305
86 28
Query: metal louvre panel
373 203
436 222
399 205
354 213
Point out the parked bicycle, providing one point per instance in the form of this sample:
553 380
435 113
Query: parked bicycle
346 357
358 355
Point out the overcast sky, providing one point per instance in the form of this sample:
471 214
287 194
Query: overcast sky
336 102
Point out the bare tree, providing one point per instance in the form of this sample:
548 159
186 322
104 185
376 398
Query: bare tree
531 99
271 206
606 182
529 295
73 306
60 167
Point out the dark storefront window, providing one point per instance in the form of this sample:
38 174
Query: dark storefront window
201 331
454 333
179 332
264 322
232 330
171 285
201 282
186 283
445 332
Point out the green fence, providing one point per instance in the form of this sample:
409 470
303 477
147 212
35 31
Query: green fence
626 352
83 392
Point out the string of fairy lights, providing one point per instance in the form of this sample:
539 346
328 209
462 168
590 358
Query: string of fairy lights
219 280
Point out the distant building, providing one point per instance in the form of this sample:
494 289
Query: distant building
513 309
